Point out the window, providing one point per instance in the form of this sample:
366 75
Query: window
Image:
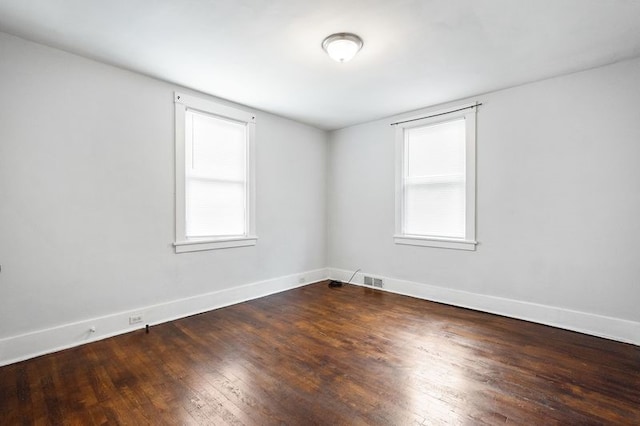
215 190
435 180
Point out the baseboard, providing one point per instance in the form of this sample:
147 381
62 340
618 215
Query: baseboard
596 325
40 342
29 345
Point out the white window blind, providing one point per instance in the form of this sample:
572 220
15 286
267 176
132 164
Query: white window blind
216 176
434 180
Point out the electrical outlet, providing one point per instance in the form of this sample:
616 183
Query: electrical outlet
135 319
368 280
377 282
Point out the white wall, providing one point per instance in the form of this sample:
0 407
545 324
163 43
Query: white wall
87 206
87 195
558 202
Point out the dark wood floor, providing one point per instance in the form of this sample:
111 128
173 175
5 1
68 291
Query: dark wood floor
317 355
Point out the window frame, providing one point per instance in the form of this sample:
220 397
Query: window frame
183 243
468 242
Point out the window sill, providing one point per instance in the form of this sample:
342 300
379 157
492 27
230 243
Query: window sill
214 244
448 243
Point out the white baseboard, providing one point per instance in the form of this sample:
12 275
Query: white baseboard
40 342
596 325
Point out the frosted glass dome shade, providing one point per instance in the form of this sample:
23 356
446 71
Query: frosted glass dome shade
342 47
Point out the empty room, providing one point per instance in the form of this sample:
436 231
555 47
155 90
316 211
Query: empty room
247 212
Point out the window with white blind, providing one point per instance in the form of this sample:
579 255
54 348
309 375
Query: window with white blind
215 205
435 180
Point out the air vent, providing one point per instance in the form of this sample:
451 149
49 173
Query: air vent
377 282
368 280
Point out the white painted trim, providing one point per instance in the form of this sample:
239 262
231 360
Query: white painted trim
428 114
213 107
179 169
44 341
435 242
401 164
470 190
40 342
612 328
213 244
182 243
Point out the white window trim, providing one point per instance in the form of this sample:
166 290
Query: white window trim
183 244
468 112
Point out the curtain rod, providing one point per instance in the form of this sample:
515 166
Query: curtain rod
436 115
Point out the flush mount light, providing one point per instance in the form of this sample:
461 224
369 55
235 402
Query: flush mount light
342 47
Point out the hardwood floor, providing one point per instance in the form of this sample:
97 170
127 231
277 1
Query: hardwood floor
317 355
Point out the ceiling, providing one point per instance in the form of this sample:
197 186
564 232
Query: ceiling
266 53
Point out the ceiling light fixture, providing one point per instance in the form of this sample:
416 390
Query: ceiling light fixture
342 47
